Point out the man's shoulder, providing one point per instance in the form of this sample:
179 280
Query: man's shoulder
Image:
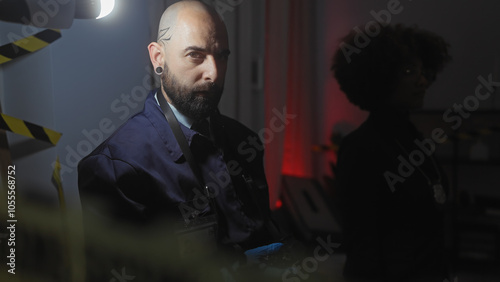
135 133
136 129
138 133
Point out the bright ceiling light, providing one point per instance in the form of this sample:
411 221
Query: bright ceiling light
106 8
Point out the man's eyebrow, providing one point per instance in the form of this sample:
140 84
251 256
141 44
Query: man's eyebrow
195 48
225 52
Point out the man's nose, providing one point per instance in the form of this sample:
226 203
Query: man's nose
211 70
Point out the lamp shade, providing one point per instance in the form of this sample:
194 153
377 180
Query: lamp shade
51 13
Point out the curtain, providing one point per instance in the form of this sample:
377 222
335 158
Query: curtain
289 92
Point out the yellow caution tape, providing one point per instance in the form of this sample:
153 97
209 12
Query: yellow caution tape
29 129
28 44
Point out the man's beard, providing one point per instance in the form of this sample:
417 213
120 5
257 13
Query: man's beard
189 101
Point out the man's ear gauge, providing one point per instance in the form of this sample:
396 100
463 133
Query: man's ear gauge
159 70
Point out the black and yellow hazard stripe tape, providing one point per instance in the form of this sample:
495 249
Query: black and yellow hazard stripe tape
28 44
29 129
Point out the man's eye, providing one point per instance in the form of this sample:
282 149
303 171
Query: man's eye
196 55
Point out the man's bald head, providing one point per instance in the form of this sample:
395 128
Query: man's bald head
184 12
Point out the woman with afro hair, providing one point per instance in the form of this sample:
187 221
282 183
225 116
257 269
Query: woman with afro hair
392 190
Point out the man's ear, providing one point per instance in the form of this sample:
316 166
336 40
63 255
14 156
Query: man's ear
156 54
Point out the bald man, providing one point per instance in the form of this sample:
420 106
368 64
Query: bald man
143 175
191 56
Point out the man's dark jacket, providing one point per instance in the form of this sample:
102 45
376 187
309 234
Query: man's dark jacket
140 176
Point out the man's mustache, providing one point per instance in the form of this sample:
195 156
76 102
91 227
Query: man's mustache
209 87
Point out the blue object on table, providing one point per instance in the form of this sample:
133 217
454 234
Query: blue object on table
254 255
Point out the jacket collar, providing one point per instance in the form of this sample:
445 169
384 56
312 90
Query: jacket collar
155 115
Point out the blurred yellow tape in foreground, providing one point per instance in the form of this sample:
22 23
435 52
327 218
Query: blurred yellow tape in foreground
29 129
57 181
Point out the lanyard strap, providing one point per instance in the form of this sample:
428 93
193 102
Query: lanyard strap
181 140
